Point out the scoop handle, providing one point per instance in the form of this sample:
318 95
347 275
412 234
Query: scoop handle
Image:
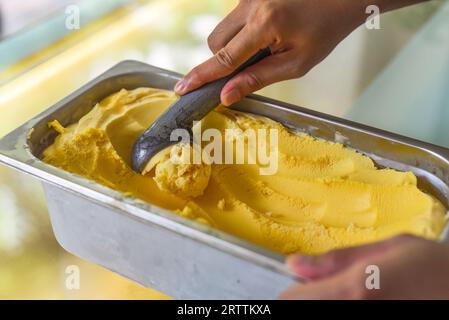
191 107
207 97
261 54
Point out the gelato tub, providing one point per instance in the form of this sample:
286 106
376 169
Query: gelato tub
159 249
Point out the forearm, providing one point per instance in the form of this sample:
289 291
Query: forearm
300 34
388 5
355 10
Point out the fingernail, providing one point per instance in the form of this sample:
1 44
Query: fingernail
180 86
231 97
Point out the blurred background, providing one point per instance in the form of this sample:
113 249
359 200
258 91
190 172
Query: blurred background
395 78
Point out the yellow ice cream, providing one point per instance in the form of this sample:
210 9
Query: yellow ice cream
183 178
323 195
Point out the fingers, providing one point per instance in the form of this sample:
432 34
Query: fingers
346 285
278 67
322 266
327 289
227 29
245 44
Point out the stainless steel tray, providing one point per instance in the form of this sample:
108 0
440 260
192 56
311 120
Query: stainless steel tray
165 251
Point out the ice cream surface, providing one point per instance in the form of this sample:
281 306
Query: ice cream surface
183 178
322 196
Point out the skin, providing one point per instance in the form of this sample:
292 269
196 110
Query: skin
300 34
292 29
404 263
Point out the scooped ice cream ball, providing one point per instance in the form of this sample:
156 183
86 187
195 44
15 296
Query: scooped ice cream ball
177 173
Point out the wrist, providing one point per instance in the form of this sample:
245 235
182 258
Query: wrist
388 5
357 8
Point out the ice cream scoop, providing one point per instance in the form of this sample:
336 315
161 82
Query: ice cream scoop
191 107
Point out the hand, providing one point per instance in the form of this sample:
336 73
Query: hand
300 33
409 268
